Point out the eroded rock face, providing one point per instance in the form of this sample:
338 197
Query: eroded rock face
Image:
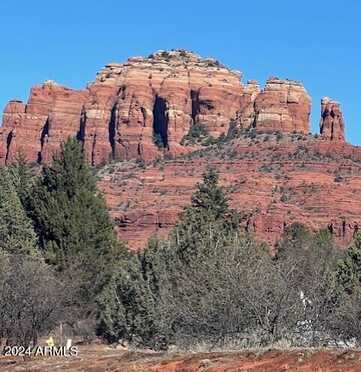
164 95
332 125
272 184
283 105
37 128
119 114
12 118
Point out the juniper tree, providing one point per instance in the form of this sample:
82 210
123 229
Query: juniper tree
127 308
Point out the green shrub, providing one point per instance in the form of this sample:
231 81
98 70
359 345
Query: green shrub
158 140
198 135
265 169
233 131
279 136
252 133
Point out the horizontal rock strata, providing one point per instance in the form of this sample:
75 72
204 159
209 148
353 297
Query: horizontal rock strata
119 115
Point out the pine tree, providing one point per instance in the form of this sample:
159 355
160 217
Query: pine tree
72 220
208 216
16 232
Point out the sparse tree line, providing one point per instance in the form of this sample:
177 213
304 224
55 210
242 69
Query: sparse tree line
209 282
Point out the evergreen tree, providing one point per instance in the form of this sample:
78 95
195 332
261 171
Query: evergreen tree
23 179
127 306
132 305
16 232
349 267
208 216
72 220
295 240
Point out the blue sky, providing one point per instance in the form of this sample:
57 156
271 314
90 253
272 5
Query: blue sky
317 42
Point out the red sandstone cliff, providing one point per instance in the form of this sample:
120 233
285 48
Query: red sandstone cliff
276 179
164 94
36 129
283 105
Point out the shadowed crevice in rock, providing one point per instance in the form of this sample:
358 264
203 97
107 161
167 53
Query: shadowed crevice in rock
254 119
80 136
112 131
144 114
93 149
195 104
43 137
9 139
160 119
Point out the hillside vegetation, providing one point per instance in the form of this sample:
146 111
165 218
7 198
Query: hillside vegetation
209 282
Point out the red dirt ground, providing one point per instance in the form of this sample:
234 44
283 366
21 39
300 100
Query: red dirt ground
97 358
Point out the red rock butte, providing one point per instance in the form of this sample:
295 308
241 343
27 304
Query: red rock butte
279 176
118 114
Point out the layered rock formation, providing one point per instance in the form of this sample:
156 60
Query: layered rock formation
276 179
118 115
283 105
274 183
332 126
37 128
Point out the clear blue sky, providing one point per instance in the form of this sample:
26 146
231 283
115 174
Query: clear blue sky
317 42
